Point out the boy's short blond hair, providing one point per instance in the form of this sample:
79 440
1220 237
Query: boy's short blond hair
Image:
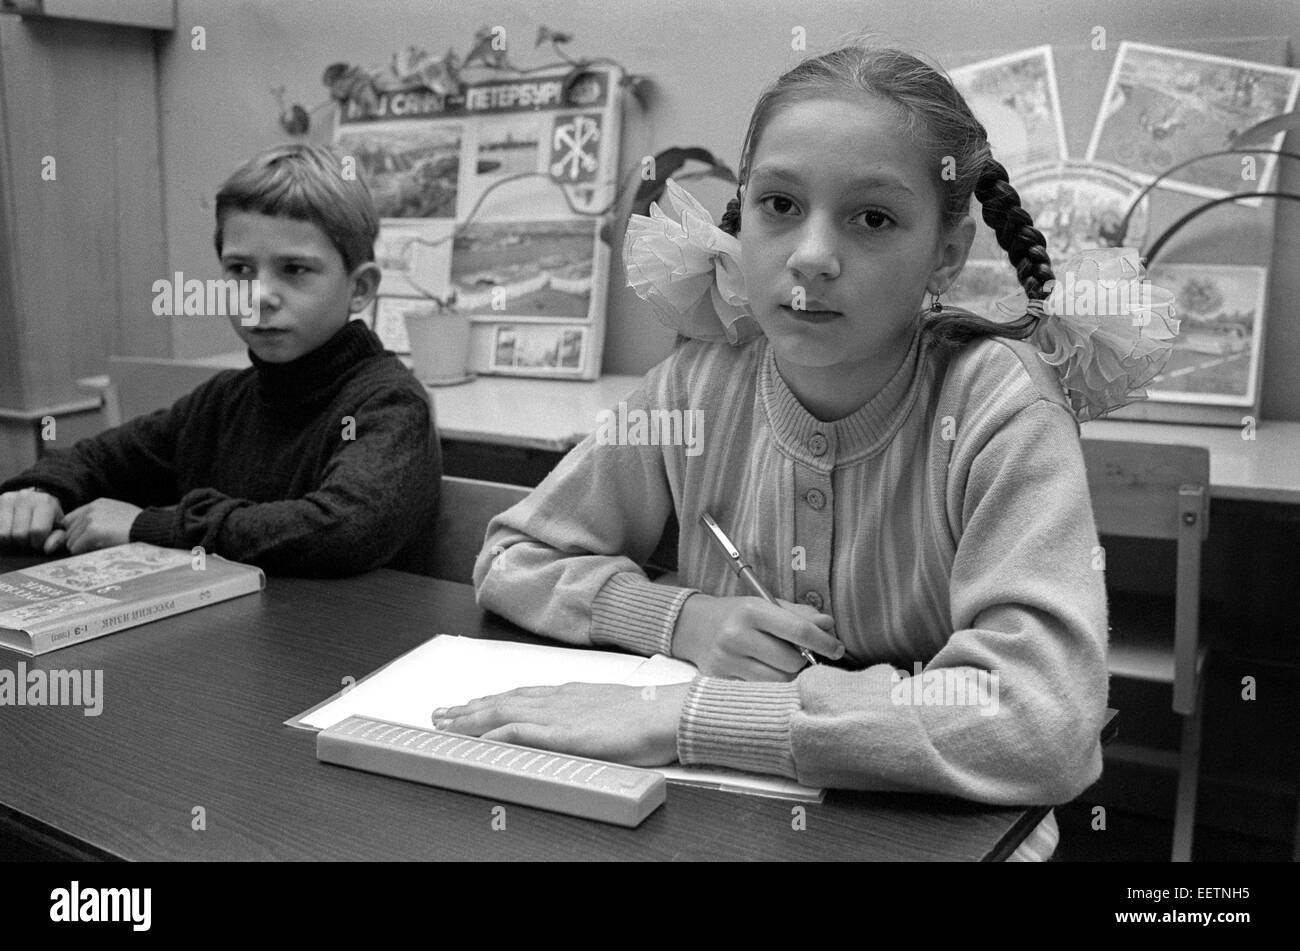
306 183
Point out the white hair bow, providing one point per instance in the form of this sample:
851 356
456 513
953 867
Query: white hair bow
688 270
1106 329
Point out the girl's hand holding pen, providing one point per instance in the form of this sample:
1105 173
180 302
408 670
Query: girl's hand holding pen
750 639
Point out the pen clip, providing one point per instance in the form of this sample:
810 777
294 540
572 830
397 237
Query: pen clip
723 542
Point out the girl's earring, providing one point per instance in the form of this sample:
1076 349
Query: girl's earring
935 306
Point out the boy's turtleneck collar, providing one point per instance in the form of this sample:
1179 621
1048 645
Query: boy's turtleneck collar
862 433
297 381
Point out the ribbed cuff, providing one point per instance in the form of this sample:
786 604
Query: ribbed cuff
154 525
635 614
739 724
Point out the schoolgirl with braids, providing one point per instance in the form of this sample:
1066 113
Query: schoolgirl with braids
906 478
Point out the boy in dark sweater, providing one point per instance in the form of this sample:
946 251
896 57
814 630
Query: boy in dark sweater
321 459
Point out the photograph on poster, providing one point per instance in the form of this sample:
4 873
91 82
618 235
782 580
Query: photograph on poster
1216 355
1076 205
525 268
1165 106
503 148
1016 98
1079 206
539 348
412 167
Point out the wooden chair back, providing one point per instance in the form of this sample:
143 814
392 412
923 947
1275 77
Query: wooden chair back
464 510
1150 490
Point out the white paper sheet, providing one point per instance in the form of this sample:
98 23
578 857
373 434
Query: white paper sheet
448 671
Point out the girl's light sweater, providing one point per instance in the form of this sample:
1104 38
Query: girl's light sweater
946 523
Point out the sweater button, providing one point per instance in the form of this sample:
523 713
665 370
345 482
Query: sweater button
813 600
818 444
816 498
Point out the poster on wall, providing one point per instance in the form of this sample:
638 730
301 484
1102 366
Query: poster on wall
1016 99
1165 106
1213 373
1077 205
494 201
1217 351
1162 117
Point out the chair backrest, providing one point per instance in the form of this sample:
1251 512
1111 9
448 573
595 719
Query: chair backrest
1136 487
464 510
1151 490
143 384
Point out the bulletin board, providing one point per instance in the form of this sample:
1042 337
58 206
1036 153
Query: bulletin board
1082 129
496 199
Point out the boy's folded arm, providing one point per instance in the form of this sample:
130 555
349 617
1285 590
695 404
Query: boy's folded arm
1027 606
566 561
375 490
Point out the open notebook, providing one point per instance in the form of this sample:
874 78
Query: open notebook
448 671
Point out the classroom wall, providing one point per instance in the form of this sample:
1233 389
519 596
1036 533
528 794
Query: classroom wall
709 60
80 209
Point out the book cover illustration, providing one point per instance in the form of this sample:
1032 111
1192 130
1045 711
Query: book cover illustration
54 604
109 566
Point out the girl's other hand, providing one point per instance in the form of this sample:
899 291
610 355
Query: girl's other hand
633 725
749 639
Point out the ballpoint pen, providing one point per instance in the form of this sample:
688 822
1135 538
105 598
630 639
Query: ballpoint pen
746 573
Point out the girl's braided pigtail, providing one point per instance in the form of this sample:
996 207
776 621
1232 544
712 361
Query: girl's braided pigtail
731 217
1015 231
1027 249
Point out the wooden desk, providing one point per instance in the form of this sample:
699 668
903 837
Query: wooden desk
1263 469
193 711
552 415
